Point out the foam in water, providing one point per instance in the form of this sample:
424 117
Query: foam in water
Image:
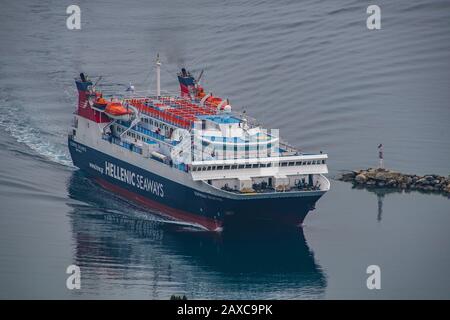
19 127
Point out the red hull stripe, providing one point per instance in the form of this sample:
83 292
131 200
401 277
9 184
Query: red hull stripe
177 214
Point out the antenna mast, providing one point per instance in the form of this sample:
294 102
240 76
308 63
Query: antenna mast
158 76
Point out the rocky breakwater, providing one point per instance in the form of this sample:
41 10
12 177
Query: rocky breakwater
382 178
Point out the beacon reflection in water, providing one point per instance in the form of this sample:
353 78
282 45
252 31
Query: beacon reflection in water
116 243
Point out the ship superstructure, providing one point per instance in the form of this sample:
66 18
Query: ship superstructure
192 158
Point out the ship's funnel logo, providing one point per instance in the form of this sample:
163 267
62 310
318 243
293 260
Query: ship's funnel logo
187 83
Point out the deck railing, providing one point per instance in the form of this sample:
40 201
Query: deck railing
129 146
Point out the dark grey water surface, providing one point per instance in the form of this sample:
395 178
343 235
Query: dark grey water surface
310 68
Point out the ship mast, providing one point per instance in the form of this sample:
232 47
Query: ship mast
158 76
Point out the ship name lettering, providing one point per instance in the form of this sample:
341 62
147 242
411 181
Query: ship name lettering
134 179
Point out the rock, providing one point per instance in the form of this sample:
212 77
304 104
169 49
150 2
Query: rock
349 176
391 183
390 179
422 181
361 178
447 189
381 176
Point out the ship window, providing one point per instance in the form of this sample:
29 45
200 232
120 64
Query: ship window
255 165
208 168
247 166
219 167
234 166
284 164
241 166
269 165
194 169
309 162
291 164
262 165
226 167
323 161
299 163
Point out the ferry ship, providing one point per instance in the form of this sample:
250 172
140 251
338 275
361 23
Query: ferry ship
191 158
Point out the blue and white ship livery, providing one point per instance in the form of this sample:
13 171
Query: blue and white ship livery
191 158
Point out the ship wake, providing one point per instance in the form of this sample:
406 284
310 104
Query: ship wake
15 122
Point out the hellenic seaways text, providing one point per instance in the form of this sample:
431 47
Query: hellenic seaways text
134 179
